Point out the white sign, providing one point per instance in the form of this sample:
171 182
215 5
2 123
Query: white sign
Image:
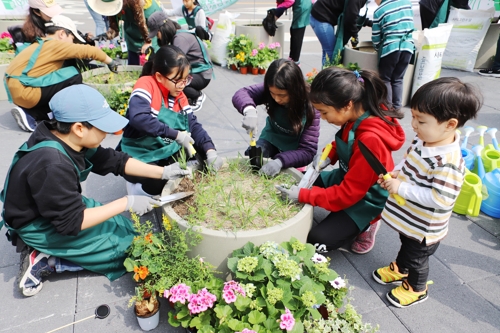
13 7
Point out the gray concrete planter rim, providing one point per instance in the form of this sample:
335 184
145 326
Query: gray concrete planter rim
104 87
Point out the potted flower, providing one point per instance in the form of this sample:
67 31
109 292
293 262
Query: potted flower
253 60
158 261
6 55
238 50
276 288
112 50
268 54
118 99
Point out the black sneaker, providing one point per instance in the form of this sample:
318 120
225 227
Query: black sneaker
24 120
490 72
199 102
34 266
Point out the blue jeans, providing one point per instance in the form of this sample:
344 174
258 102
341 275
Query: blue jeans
326 36
62 265
100 22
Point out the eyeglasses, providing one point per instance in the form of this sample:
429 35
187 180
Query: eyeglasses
180 83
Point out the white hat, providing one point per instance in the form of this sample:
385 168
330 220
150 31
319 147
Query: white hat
106 7
48 7
65 22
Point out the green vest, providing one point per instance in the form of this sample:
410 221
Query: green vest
46 80
133 36
279 132
365 210
301 13
152 149
101 248
441 15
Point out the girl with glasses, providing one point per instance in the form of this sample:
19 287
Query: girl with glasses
161 122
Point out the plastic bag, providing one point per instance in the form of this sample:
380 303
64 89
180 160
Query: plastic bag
467 35
431 46
222 34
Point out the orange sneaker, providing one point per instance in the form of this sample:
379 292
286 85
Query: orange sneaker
389 274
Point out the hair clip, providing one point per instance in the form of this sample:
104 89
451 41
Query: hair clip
358 76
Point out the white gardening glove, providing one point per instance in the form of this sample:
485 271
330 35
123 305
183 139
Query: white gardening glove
291 194
324 164
249 121
186 141
271 168
173 171
214 162
141 204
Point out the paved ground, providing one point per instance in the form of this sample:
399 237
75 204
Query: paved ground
465 296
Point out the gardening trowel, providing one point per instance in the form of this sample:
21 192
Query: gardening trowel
379 168
312 173
174 197
255 154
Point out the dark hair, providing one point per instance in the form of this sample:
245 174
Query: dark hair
34 26
286 75
165 60
53 29
168 30
65 128
446 98
336 87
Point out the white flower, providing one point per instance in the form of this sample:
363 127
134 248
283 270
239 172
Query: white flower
338 283
318 258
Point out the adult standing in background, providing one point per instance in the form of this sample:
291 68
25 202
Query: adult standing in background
300 20
433 12
101 25
324 17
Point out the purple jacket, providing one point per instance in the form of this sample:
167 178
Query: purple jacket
308 144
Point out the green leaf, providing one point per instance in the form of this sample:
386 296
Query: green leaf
129 264
315 314
172 320
297 328
258 276
234 324
248 248
267 266
256 317
232 264
183 313
242 303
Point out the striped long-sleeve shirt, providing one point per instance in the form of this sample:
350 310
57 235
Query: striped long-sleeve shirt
392 27
431 178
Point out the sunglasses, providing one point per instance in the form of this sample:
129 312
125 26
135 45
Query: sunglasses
180 83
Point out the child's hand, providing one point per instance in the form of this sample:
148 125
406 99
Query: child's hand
391 185
394 174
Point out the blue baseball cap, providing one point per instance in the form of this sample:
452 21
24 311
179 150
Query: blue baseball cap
80 102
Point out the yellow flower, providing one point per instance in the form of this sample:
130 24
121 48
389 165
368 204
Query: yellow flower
166 223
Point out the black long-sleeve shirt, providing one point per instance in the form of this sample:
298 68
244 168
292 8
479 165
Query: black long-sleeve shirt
330 10
45 183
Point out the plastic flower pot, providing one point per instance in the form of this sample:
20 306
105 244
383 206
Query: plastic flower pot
255 70
243 70
234 68
262 71
150 321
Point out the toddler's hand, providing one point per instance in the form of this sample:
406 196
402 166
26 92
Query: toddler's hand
391 185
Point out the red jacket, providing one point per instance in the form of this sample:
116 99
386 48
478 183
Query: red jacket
382 139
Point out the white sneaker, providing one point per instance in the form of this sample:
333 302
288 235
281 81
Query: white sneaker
21 119
199 102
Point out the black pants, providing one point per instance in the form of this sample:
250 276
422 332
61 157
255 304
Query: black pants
41 109
132 58
392 69
194 89
426 17
334 231
413 257
296 38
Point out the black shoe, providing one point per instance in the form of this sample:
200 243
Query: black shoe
490 72
199 102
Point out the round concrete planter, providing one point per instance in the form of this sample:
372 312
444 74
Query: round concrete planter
107 88
366 58
5 59
255 31
217 245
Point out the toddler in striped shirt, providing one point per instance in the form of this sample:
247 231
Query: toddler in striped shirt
429 178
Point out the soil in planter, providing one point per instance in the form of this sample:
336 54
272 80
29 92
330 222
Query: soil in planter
235 199
367 49
112 78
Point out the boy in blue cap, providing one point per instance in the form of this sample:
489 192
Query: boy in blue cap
52 224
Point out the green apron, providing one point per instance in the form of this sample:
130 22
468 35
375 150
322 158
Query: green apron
99 249
133 36
339 34
279 132
364 211
441 15
46 80
190 17
152 149
301 13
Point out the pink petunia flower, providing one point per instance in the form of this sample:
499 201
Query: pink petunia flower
229 296
261 46
246 330
254 52
180 293
111 46
5 35
287 321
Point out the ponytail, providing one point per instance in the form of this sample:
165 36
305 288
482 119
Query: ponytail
336 87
